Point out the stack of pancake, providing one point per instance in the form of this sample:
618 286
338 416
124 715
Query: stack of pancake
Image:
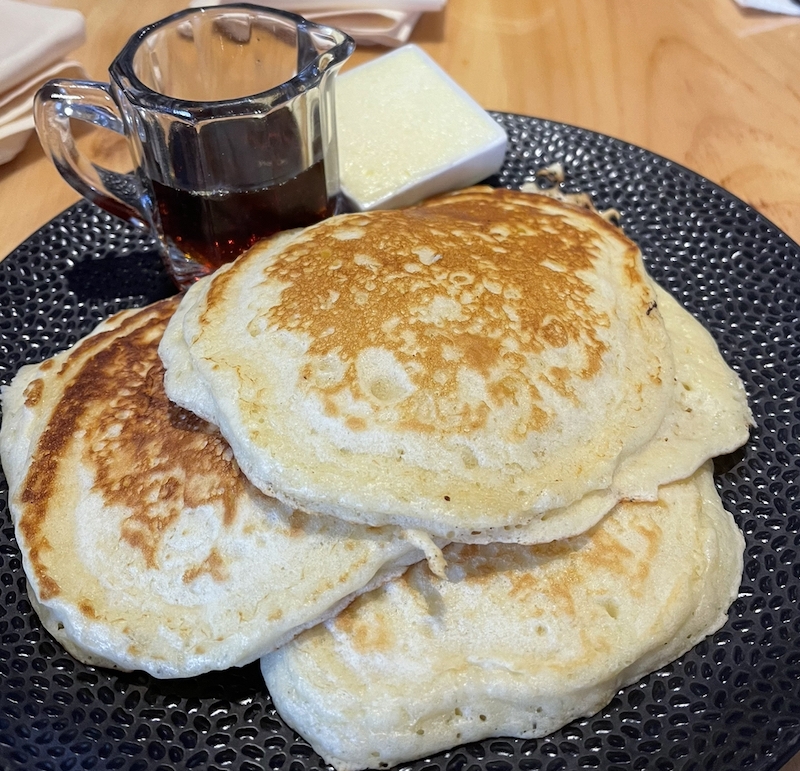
488 385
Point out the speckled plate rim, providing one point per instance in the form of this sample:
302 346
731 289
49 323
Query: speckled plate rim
732 702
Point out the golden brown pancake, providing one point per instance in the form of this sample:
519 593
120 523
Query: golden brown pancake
462 367
517 640
143 545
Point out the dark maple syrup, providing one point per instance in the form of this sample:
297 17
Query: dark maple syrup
215 228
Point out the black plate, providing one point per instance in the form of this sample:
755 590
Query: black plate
731 703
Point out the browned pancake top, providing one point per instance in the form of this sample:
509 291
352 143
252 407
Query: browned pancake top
484 279
144 453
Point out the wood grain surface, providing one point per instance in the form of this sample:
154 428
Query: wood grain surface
702 82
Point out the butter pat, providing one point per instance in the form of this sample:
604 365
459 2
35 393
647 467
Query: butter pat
406 131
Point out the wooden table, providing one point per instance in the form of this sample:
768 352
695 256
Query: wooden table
699 81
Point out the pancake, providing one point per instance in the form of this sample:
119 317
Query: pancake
488 366
518 641
452 371
143 545
709 417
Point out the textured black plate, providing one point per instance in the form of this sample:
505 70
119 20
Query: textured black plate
731 703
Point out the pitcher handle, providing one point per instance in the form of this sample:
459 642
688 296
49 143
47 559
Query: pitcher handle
56 102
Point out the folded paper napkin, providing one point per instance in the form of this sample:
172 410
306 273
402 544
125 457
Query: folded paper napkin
33 41
368 22
790 7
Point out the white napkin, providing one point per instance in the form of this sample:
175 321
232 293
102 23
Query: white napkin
368 22
33 42
775 6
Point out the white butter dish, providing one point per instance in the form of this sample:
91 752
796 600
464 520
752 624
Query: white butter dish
407 131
